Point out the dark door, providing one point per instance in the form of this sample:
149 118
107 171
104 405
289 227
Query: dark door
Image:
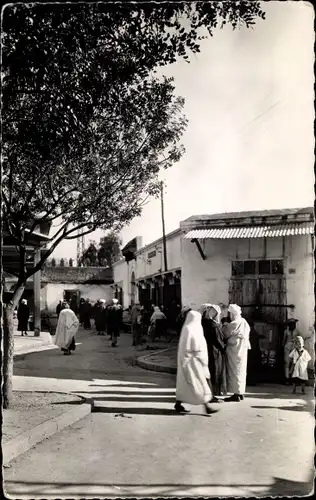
263 302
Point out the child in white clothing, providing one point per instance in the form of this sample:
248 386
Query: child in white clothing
299 359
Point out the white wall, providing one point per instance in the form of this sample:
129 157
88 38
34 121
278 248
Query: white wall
208 281
144 266
52 293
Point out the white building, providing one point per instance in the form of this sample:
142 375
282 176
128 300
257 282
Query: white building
261 260
141 275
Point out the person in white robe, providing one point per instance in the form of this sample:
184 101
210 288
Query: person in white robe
192 366
67 328
236 335
157 324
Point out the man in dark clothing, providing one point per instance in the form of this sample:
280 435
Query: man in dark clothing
81 311
114 320
23 317
58 308
100 317
87 313
73 304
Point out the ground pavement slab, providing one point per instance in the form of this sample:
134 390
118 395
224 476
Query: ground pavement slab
134 444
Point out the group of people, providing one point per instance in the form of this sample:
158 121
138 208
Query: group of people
107 318
213 354
212 357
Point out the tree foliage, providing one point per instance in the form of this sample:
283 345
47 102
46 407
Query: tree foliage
86 122
105 253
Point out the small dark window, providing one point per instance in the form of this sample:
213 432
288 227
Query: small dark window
277 267
250 267
264 267
237 268
151 254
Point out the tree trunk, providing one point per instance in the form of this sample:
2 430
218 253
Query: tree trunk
8 346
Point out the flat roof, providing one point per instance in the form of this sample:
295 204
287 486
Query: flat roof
253 213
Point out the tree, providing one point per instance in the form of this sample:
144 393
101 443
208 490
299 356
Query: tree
90 255
86 123
104 254
109 249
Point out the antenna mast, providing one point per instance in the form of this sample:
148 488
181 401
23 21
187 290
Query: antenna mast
80 245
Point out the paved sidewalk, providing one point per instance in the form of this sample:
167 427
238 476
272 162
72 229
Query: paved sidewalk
268 437
25 345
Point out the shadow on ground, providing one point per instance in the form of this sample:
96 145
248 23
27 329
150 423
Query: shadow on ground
308 407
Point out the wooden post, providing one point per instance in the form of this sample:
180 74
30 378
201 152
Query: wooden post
37 294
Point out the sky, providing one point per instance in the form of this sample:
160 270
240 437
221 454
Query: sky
250 138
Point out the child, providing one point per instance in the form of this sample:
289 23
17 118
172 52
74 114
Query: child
299 358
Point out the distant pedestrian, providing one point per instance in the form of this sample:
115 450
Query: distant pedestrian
216 349
23 317
67 328
290 335
192 366
87 314
236 335
135 323
299 358
81 311
58 308
158 324
114 320
73 304
100 317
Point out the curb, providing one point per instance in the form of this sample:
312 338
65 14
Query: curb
30 438
34 349
144 362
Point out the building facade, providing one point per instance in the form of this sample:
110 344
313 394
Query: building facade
263 261
63 283
142 275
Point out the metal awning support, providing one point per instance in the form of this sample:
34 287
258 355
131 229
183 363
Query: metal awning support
196 241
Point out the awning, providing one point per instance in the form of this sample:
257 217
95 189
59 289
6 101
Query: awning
252 231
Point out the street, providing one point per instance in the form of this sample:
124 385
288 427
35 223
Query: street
134 444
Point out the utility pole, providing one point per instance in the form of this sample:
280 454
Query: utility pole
163 228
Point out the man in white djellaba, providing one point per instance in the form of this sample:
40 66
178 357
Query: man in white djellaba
236 337
67 328
193 375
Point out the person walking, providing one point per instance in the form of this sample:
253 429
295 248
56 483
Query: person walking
236 335
290 335
67 328
216 349
100 317
58 308
114 320
81 311
87 314
135 323
23 317
299 358
157 323
192 385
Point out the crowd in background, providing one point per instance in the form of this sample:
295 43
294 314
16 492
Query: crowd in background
150 322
